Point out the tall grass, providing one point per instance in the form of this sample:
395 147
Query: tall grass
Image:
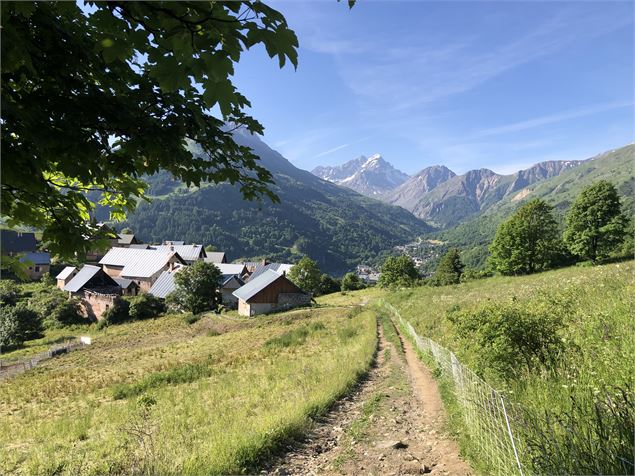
573 413
186 402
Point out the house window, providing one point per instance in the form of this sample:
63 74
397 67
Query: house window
37 269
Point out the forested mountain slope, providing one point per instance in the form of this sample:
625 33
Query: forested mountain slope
335 226
457 198
616 166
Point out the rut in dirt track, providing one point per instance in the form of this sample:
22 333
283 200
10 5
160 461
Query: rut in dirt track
392 423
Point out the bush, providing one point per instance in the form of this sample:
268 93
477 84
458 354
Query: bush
145 306
118 313
511 338
17 325
351 282
9 292
65 314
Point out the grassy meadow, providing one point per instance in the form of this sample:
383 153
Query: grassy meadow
573 395
166 397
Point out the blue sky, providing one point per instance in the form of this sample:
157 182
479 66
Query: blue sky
501 85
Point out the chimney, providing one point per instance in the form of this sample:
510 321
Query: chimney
264 261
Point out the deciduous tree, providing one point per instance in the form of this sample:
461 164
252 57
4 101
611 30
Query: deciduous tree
595 224
196 288
93 99
306 275
398 271
449 270
351 282
527 242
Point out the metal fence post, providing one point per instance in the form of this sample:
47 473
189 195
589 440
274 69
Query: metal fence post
511 436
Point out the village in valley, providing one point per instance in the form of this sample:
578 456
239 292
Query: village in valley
130 268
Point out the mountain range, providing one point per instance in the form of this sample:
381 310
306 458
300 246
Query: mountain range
337 227
436 194
371 176
340 228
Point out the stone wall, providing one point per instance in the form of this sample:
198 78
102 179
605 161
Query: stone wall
95 304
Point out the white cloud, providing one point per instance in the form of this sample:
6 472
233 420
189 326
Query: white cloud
330 151
552 118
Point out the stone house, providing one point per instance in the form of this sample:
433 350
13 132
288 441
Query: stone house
65 276
96 290
269 292
141 266
37 264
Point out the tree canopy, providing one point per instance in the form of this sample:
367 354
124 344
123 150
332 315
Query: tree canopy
351 282
196 289
398 271
450 269
306 275
527 242
595 224
96 98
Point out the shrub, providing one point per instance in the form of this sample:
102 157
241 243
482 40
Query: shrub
9 292
18 324
510 337
65 314
118 313
351 282
191 318
146 306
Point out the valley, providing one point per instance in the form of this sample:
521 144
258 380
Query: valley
316 391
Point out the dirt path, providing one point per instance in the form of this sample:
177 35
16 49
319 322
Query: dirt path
392 424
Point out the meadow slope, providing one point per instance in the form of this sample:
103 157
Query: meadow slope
165 397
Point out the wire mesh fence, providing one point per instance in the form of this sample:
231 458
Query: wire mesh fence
487 416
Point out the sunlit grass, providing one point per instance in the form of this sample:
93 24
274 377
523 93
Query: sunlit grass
220 399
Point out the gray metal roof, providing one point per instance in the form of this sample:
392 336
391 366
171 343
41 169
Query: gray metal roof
171 242
124 283
254 286
277 267
227 279
139 246
164 285
126 239
36 258
137 263
66 272
80 279
215 257
17 241
231 268
187 252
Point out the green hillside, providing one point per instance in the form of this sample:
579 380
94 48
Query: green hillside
333 225
165 397
474 236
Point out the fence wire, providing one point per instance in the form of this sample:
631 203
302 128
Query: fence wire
487 418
